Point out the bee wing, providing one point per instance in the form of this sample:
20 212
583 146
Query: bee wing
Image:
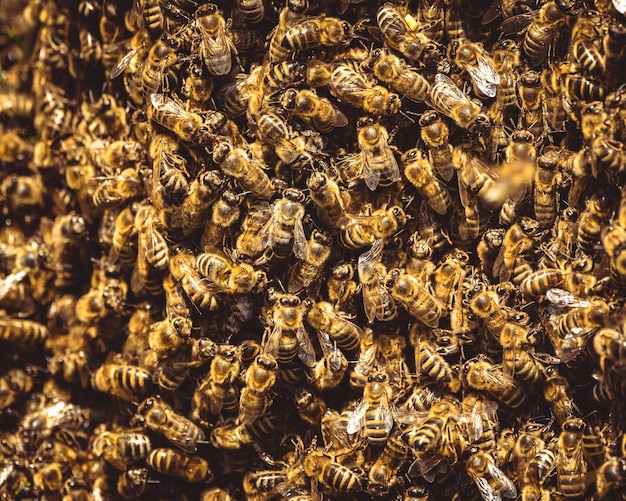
509 355
371 174
7 283
216 48
487 492
330 350
141 268
155 242
484 75
569 346
306 352
507 487
492 13
368 259
355 422
185 441
270 343
167 104
124 61
299 239
565 299
619 6
445 95
499 380
384 413
515 24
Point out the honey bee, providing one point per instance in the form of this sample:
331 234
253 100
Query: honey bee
161 56
171 462
247 172
472 58
530 441
430 437
288 16
328 198
377 301
216 44
542 31
123 381
576 327
328 372
451 101
182 268
417 300
556 391
224 214
598 211
360 231
169 170
283 233
172 370
341 286
132 482
540 282
434 132
402 79
187 125
311 408
277 133
159 416
611 477
571 467
335 476
383 473
430 362
152 248
15 383
202 193
491 481
21 332
482 375
307 273
212 390
252 11
351 87
318 73
286 335
16 106
114 191
315 32
121 449
345 334
395 25
22 193
610 345
229 276
518 241
259 379
317 111
419 171
373 414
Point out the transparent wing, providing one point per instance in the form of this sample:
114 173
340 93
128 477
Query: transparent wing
306 352
330 350
445 95
355 422
484 76
564 299
487 492
299 239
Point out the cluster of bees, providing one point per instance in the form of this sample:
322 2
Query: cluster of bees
313 250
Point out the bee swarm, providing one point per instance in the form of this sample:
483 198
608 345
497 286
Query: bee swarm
313 250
